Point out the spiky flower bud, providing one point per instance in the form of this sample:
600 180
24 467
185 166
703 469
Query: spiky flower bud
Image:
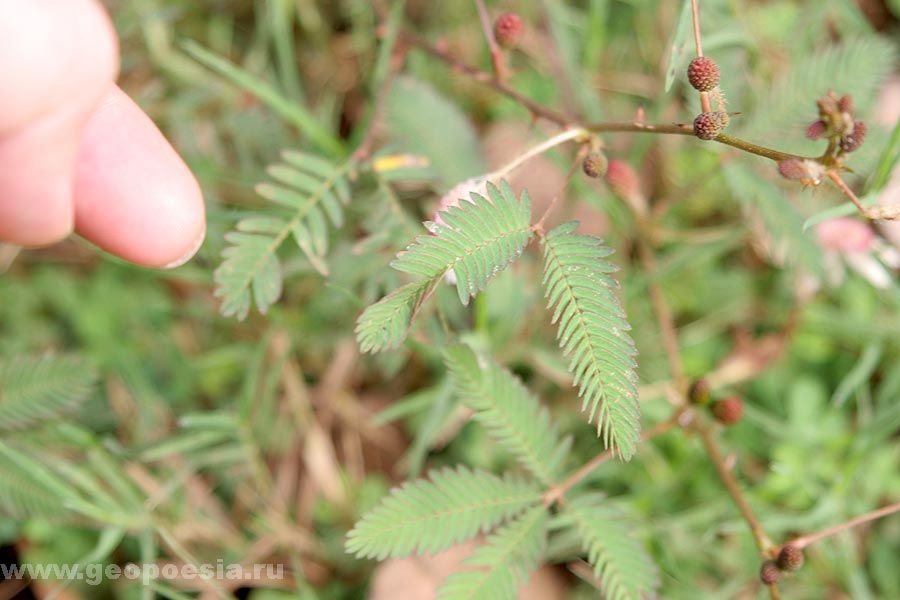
769 573
807 172
728 411
703 74
699 393
853 140
508 30
816 130
595 164
845 104
708 125
790 558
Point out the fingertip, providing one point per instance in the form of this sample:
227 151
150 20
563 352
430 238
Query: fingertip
134 196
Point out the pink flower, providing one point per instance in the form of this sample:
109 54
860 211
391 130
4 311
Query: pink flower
850 241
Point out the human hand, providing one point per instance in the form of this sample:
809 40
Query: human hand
76 153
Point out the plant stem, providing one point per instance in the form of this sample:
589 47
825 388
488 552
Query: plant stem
579 158
806 540
539 110
695 17
556 493
734 490
496 53
556 140
480 76
839 182
663 315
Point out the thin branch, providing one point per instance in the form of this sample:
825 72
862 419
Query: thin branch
556 493
480 76
496 53
579 158
549 114
805 540
695 16
663 314
734 490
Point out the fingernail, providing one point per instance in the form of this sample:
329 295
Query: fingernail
190 253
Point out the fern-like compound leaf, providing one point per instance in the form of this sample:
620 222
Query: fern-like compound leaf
432 515
479 238
511 553
384 324
311 193
620 562
509 412
37 390
593 333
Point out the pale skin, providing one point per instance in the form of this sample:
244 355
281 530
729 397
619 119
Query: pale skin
76 153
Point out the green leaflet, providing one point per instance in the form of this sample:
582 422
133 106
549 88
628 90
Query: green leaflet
37 390
512 415
311 192
620 563
505 561
480 237
593 333
452 506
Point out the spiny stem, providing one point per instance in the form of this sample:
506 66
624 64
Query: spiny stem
806 540
734 490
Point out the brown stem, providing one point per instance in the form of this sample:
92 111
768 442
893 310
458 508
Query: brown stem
695 15
734 490
838 181
579 158
480 76
556 493
681 129
806 540
541 111
663 315
496 53
746 146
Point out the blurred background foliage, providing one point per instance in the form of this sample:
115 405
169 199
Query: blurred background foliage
263 440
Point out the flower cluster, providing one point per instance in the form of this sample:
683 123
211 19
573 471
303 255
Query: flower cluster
837 122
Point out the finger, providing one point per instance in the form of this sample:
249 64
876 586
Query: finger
56 59
134 196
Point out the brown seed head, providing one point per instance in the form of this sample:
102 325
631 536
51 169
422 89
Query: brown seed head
790 558
769 572
703 74
728 411
595 164
508 30
699 393
708 125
